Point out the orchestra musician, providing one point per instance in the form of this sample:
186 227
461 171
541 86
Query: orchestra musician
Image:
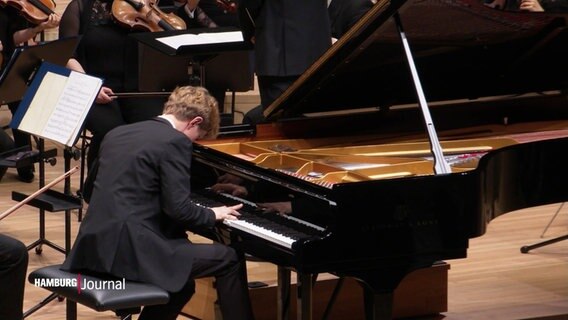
15 30
13 267
343 14
106 50
288 36
140 209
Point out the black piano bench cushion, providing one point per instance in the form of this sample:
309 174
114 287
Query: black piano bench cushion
133 295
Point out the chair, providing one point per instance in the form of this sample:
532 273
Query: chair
123 297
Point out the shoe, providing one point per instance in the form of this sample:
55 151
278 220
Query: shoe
26 176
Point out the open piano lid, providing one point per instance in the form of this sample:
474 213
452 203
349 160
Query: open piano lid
462 50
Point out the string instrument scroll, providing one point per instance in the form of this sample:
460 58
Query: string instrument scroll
35 11
145 15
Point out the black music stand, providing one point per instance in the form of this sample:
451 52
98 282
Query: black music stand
23 63
54 107
14 82
527 248
216 64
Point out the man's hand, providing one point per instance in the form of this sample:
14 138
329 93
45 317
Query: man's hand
229 213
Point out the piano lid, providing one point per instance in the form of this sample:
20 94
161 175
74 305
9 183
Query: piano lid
462 50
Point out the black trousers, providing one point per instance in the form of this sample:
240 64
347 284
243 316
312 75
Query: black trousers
13 266
270 88
229 270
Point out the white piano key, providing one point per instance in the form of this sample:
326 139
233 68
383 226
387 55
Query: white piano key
261 232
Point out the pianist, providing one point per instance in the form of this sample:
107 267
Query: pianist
140 208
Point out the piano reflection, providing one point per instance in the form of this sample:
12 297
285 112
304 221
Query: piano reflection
347 160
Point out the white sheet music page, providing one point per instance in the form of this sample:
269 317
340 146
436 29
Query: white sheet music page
60 105
201 38
71 109
43 103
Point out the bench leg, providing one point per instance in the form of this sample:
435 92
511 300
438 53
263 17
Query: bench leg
71 310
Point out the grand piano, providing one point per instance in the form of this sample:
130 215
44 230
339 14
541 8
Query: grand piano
342 178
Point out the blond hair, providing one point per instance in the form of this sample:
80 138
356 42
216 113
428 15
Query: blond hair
188 102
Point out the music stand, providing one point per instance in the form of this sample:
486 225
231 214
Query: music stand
208 58
14 81
24 62
527 248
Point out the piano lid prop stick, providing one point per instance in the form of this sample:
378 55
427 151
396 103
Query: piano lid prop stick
440 163
37 193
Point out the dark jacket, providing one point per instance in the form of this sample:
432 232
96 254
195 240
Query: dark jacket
289 34
140 208
343 14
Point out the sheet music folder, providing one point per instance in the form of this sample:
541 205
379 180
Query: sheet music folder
56 104
25 60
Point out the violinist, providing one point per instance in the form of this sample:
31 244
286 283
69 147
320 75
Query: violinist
107 51
288 37
15 30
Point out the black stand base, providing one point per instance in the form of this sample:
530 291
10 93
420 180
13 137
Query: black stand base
43 303
526 249
38 245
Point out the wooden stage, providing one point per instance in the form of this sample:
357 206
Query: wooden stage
496 281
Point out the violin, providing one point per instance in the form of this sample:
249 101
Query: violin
227 5
145 15
35 11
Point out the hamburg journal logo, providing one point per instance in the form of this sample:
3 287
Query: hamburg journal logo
81 283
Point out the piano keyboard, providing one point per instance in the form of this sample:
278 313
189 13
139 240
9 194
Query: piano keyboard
280 229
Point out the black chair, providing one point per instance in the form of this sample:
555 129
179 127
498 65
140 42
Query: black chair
125 298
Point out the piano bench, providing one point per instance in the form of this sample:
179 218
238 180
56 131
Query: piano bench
99 293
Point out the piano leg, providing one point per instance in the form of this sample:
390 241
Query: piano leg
304 286
304 301
283 294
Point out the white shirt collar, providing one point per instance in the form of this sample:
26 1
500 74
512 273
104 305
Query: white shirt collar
169 120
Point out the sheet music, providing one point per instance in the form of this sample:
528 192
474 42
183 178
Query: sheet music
202 38
44 102
60 105
72 107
